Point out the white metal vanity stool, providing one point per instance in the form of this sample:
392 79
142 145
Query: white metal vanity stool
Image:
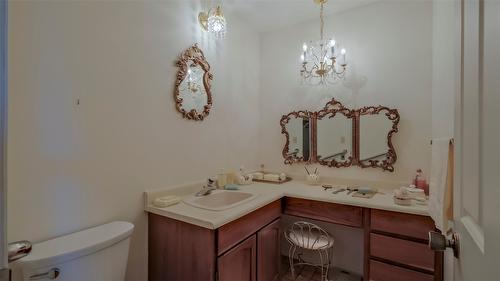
307 236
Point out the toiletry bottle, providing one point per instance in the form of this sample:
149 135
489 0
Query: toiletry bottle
240 175
231 177
221 179
420 182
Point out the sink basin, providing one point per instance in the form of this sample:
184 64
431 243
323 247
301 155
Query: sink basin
219 200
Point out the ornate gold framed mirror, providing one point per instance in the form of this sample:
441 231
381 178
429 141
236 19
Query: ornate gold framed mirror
296 126
334 129
376 126
192 93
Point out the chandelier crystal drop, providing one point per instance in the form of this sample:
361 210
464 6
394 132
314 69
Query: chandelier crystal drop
323 62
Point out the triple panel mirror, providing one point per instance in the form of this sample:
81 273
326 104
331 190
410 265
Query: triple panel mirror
340 137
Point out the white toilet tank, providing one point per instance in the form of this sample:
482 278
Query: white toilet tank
95 254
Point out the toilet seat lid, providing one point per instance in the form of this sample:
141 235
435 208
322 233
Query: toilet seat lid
74 245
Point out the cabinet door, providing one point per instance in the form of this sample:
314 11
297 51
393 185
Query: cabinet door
268 252
239 262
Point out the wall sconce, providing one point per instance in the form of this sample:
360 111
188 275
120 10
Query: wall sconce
213 21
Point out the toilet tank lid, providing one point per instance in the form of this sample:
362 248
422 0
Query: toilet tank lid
75 245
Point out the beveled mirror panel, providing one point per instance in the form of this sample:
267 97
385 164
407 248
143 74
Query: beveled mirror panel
192 93
296 126
334 136
376 128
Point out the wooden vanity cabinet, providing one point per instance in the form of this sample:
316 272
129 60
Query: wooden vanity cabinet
256 258
396 248
234 232
324 211
269 252
179 250
246 249
395 243
239 263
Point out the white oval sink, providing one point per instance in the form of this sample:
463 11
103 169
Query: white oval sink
219 200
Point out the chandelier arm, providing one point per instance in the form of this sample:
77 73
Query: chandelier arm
339 72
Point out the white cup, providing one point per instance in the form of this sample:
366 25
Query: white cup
312 179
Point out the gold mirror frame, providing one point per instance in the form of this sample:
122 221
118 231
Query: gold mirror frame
291 157
391 157
194 54
330 110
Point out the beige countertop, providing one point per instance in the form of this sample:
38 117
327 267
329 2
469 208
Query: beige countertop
266 193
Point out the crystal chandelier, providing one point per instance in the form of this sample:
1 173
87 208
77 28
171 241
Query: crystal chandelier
214 22
322 62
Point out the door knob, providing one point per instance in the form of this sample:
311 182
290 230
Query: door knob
438 242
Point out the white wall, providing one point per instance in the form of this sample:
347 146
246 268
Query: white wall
446 66
390 50
71 167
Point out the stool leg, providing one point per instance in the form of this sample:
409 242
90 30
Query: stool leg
291 254
330 262
322 264
327 264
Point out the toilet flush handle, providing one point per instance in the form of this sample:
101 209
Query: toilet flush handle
52 274
18 250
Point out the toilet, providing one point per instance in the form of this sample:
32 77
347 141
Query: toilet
95 254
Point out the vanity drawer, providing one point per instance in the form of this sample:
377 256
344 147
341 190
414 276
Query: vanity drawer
232 233
414 226
323 211
405 252
380 271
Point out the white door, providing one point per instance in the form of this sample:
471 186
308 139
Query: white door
477 178
3 115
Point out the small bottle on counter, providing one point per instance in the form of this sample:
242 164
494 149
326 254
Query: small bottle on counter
421 182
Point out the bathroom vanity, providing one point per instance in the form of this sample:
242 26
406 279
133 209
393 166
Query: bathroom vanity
243 242
245 249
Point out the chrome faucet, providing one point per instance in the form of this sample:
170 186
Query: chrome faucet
207 189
